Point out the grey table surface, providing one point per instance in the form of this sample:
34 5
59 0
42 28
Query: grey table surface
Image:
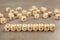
26 4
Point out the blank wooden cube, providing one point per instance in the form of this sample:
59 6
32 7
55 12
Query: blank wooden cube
46 27
36 16
45 15
19 8
52 27
23 18
30 27
24 27
7 27
35 27
12 27
3 20
1 15
41 27
43 9
19 27
8 9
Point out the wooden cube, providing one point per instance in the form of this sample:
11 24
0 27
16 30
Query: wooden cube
30 27
49 14
19 8
23 18
52 27
34 8
3 20
41 27
11 16
34 12
24 12
46 27
31 10
28 14
15 13
8 9
19 27
36 16
45 15
56 11
19 15
43 9
57 16
7 27
12 27
35 27
24 27
11 11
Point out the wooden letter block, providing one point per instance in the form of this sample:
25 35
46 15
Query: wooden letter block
41 27
24 27
23 18
46 27
52 27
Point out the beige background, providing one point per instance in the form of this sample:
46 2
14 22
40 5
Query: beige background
26 4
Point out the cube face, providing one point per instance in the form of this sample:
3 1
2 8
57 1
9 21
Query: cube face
24 27
43 9
45 15
11 17
41 27
24 12
34 8
36 16
57 16
23 18
52 27
11 11
46 27
35 27
49 13
15 13
34 12
3 21
18 27
19 15
30 27
31 10
7 27
56 11
19 9
12 27
28 14
8 9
